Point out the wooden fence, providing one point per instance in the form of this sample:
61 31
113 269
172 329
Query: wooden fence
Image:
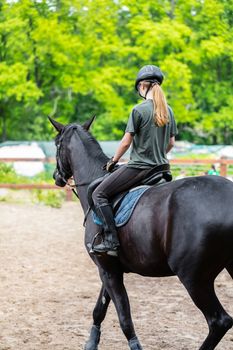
223 165
34 186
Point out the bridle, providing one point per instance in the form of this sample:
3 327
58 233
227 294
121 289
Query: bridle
62 170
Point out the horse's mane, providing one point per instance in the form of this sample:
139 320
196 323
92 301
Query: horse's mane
92 144
87 139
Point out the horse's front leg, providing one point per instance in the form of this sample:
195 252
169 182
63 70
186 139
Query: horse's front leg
99 314
114 284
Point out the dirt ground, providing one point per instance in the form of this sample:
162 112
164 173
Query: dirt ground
49 286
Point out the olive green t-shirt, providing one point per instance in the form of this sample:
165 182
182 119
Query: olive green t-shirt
150 141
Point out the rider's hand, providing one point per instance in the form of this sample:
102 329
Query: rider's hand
110 165
70 182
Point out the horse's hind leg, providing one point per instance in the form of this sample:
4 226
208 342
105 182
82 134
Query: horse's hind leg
99 314
218 320
116 289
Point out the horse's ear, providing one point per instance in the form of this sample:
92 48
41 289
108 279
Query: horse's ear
58 126
88 123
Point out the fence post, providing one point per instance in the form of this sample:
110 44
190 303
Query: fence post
223 167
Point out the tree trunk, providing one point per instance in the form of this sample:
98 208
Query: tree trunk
172 10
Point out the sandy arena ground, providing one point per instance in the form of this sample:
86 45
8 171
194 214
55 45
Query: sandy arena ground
49 286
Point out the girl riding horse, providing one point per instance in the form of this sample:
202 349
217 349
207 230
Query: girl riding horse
151 130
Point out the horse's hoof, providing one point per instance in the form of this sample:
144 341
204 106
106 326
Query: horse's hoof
90 346
134 344
92 343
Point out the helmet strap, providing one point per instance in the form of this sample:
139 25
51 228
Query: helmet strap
148 89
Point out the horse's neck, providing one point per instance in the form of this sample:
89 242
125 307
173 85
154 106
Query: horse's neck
82 194
82 187
87 166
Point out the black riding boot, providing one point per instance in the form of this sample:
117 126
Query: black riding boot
110 243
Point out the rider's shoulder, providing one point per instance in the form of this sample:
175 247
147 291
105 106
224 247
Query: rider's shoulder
140 107
171 114
170 109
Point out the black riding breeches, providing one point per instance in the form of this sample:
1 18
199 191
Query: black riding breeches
119 181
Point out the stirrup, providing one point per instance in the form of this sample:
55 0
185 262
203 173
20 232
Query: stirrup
91 251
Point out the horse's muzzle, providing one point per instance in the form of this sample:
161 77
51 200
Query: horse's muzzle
59 181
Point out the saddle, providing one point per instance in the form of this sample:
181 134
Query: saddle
158 175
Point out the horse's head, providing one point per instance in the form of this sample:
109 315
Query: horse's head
63 169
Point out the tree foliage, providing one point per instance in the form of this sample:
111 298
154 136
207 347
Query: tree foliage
78 58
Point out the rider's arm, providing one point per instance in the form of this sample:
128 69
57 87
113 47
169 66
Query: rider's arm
123 146
171 144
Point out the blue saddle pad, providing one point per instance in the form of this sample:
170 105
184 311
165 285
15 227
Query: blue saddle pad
126 207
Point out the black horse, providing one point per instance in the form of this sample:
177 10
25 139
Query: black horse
182 228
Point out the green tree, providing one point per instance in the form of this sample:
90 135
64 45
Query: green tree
78 58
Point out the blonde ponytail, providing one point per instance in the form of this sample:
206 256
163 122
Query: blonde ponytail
161 114
161 117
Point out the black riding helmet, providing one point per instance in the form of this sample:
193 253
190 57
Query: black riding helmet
149 73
